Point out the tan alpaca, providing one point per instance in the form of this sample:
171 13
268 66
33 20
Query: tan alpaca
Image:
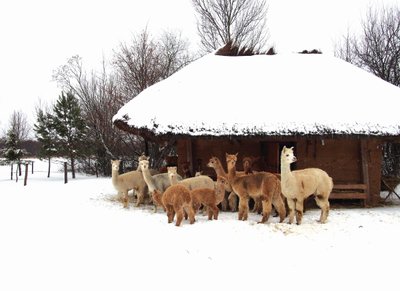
210 198
264 185
158 182
201 181
176 199
128 181
298 185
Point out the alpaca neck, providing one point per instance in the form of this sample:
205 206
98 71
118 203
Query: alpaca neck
148 179
286 173
114 177
173 179
219 170
231 173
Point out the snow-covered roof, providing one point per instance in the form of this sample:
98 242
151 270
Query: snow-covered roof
281 94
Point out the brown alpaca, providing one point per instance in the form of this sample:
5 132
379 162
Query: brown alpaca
176 199
262 184
128 181
210 198
300 184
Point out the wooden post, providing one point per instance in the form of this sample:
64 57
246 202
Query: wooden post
19 168
16 174
32 166
65 173
365 170
26 173
48 169
12 170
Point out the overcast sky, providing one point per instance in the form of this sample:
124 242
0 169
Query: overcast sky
39 36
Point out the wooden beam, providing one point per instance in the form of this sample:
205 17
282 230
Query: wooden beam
365 168
189 154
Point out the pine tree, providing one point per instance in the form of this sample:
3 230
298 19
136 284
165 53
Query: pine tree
12 152
47 136
70 126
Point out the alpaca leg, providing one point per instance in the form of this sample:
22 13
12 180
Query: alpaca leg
243 208
190 211
125 199
322 203
210 212
280 207
291 206
215 211
299 210
232 199
267 207
179 216
224 204
140 198
170 213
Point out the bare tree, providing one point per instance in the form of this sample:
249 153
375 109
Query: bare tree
18 124
241 22
146 61
377 48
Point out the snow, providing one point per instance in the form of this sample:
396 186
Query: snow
268 95
74 236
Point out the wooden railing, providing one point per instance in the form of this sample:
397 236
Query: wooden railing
350 191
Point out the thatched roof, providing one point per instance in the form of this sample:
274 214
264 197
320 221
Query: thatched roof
265 95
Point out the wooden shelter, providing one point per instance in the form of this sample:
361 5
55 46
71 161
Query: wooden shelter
336 115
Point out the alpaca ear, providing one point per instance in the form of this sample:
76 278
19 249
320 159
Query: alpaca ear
226 155
236 154
292 148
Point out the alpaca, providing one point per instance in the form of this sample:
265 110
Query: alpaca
201 181
231 200
248 163
300 184
176 199
159 181
262 184
210 198
132 180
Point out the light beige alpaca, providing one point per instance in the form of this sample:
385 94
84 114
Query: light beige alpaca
176 199
210 198
298 185
158 182
132 180
263 185
201 181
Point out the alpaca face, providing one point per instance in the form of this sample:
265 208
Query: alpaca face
172 172
144 164
115 165
213 162
231 160
288 156
222 181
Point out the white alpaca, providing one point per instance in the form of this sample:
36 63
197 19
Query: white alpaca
298 185
128 181
158 182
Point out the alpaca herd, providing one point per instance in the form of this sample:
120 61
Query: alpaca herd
185 196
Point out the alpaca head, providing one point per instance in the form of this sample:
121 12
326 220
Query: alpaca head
287 155
231 160
144 165
172 172
115 165
213 162
222 181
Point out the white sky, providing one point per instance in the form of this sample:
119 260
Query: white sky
39 36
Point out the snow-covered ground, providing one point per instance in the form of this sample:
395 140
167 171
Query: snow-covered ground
56 236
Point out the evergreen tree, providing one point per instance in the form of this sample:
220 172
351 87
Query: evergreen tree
47 136
70 126
11 151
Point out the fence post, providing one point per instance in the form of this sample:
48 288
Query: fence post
19 168
65 173
32 166
16 174
12 171
26 173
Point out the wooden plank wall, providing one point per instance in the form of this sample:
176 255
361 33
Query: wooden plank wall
340 157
